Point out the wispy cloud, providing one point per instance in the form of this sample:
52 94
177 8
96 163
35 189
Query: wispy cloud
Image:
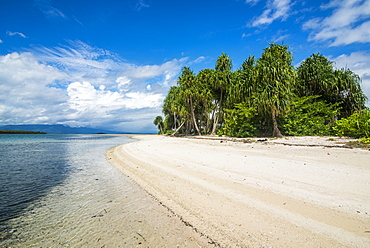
49 11
253 2
82 85
141 4
275 9
78 21
348 23
16 34
79 59
244 35
279 38
199 59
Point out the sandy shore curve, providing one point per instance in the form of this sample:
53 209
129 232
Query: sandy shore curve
257 194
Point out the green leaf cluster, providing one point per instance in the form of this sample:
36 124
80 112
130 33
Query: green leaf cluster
307 116
240 122
357 125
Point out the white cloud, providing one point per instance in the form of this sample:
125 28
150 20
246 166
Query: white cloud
28 90
163 75
123 83
81 85
1 41
138 100
84 98
312 24
349 23
16 34
150 71
275 9
114 109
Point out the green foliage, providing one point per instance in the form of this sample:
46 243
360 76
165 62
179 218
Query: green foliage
348 92
169 132
223 63
239 121
158 121
309 117
365 140
317 76
267 95
276 79
357 125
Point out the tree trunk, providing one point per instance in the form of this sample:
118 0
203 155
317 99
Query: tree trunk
215 121
187 126
276 132
208 125
179 127
175 121
217 116
193 117
196 125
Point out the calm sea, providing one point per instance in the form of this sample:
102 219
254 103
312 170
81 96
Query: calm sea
59 191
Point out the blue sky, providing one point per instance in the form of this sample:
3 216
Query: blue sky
109 64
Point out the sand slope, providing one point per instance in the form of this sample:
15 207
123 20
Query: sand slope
259 194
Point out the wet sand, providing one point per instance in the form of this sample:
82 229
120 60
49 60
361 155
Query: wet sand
280 193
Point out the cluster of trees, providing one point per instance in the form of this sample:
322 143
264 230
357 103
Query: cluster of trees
19 132
267 96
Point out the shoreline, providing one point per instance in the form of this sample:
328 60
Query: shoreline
258 193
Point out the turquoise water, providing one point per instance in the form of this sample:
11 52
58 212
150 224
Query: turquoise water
60 191
30 165
38 171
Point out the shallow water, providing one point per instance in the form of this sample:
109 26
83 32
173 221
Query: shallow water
59 191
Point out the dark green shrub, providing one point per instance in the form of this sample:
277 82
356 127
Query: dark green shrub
357 125
307 116
239 122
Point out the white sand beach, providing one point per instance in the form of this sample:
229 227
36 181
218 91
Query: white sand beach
291 192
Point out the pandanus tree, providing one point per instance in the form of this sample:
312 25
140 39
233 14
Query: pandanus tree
317 76
261 95
274 85
242 88
221 83
347 92
205 80
175 110
189 92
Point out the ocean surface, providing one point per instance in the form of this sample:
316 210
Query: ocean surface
60 191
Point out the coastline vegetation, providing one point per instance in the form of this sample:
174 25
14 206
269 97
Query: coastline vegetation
267 96
19 132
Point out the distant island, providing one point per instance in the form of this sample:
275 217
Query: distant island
52 129
19 132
